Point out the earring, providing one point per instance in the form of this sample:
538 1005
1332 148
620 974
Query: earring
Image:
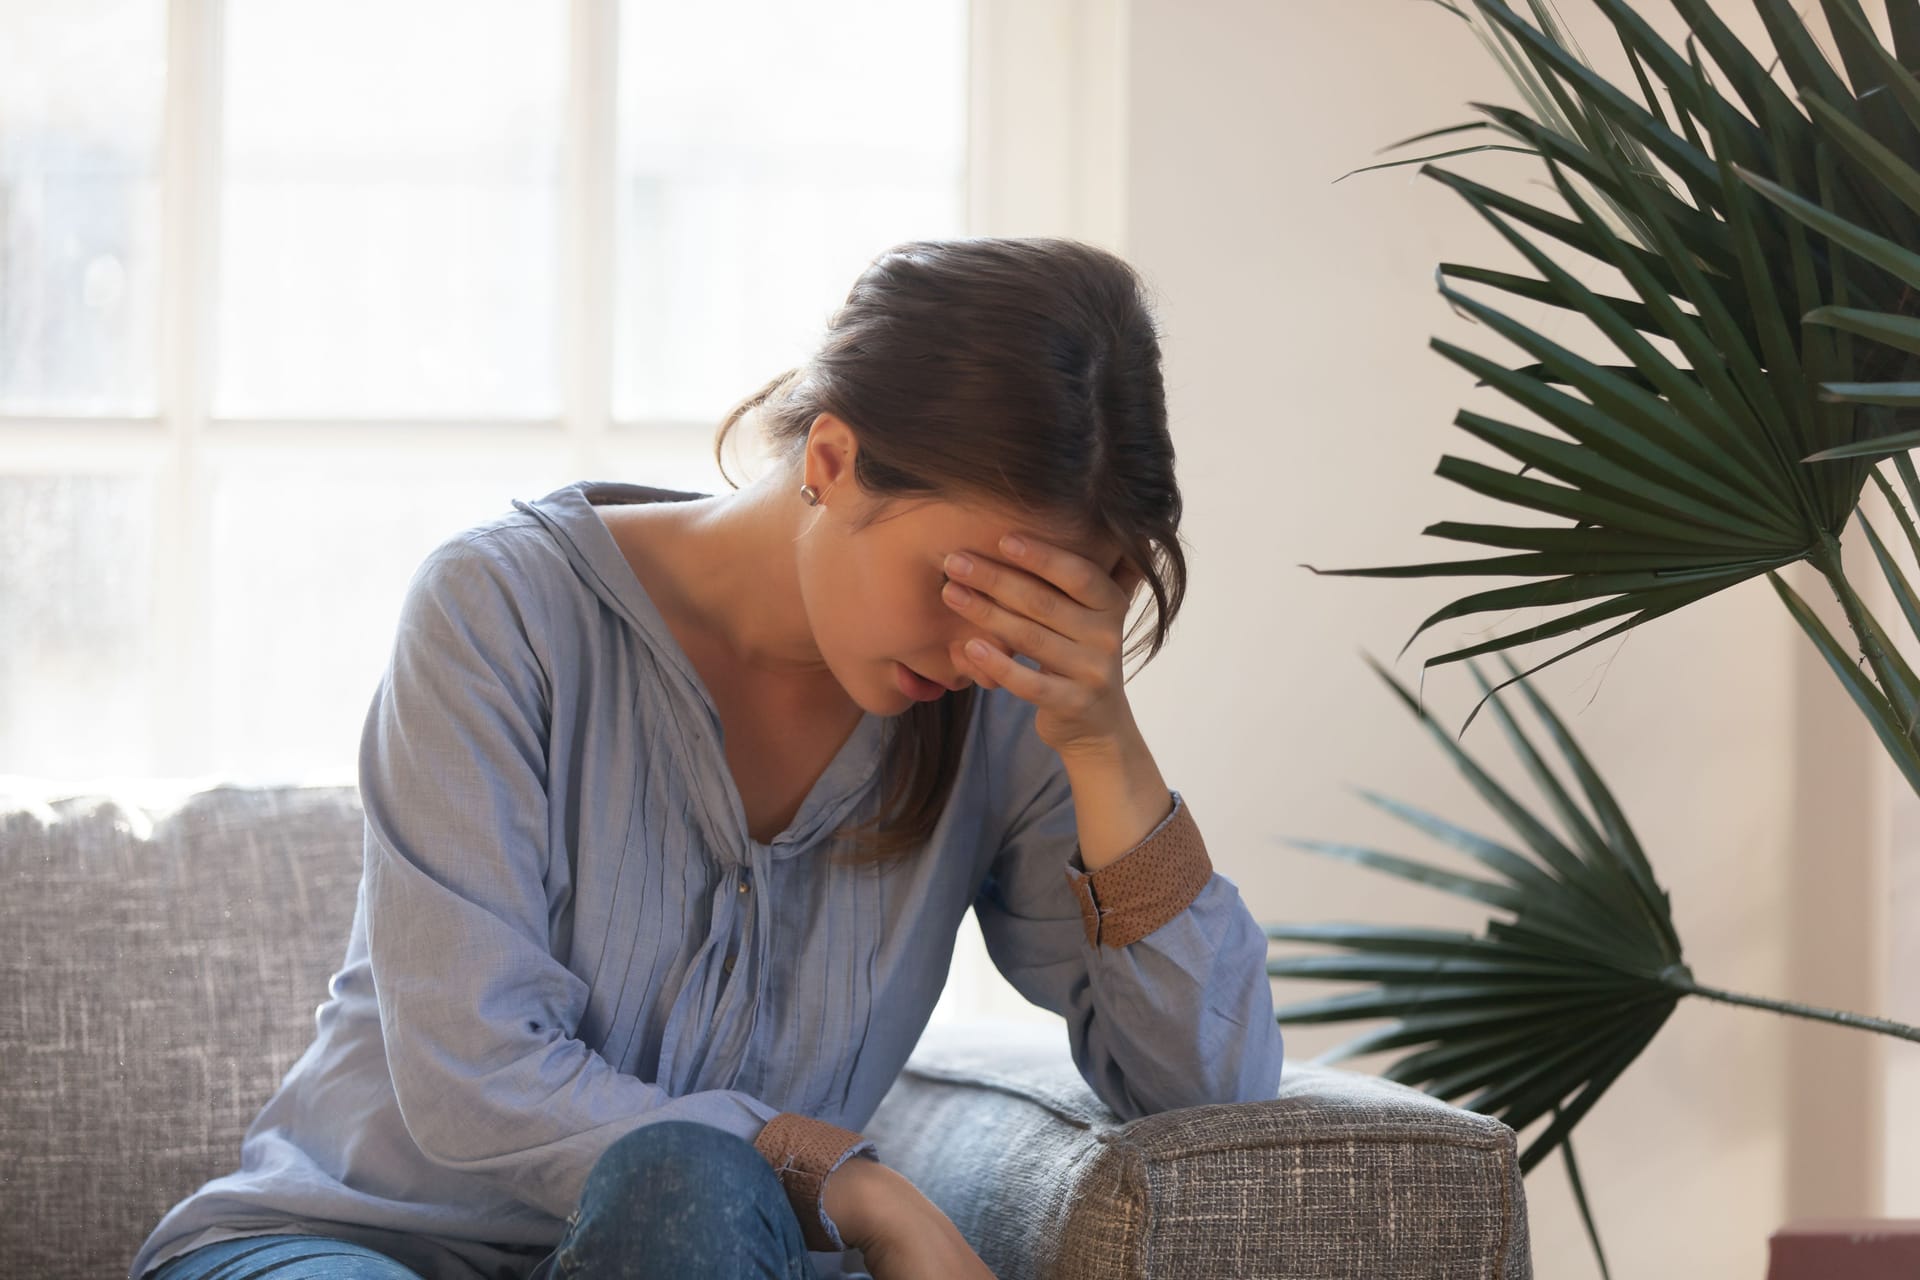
811 494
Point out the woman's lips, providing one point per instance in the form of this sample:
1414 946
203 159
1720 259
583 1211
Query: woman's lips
916 686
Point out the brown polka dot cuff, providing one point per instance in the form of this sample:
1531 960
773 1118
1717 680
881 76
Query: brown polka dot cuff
1147 885
803 1150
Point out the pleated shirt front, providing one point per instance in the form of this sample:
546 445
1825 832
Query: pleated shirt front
564 929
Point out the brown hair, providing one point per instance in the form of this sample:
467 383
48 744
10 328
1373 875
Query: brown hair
1024 373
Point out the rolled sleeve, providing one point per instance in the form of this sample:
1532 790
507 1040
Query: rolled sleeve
1145 887
803 1150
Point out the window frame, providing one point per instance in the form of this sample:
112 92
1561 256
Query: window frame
1046 128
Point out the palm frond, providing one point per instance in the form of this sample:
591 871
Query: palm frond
1896 357
1543 1012
1744 444
1773 251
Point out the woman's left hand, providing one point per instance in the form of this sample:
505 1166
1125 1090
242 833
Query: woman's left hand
1067 614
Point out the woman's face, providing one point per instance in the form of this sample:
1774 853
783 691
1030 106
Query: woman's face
873 598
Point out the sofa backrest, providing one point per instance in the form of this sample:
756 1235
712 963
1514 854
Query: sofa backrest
161 971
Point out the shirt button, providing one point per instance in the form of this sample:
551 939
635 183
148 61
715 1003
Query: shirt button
728 964
743 886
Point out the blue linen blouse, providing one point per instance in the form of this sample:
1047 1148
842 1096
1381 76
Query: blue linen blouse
564 930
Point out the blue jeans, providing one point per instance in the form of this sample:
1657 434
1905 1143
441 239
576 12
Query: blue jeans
672 1198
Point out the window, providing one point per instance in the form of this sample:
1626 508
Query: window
266 262
290 290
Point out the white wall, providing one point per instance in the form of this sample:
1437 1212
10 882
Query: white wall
1309 416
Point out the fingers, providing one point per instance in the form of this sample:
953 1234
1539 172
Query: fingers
1020 632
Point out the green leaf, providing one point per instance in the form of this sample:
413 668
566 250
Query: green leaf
1617 513
1898 331
1467 127
1565 230
1550 1004
1385 937
1765 101
1388 968
1904 465
1634 313
1725 392
1806 65
1864 692
1692 427
1900 262
1602 98
1522 873
1905 691
1606 870
1620 843
1894 173
1577 549
1437 155
1649 604
1625 448
1901 514
1601 1070
1894 75
1586 1212
1498 895
1861 53
1720 340
1702 236
1777 343
1397 1000
1903 18
1893 395
1528 1084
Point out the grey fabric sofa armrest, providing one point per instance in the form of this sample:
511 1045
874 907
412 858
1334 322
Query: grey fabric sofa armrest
1342 1174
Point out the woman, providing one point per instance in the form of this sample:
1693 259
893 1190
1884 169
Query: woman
674 803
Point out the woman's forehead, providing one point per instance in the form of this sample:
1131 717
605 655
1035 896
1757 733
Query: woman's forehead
981 526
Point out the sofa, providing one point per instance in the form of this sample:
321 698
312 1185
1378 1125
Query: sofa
166 950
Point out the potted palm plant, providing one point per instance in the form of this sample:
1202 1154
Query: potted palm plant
1772 240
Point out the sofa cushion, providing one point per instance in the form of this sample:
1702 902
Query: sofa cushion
162 966
1342 1174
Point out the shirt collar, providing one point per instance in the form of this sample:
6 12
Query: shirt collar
589 545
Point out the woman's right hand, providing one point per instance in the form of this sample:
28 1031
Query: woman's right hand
900 1233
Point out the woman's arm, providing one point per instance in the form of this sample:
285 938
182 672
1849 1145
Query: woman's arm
1152 957
900 1233
1163 984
